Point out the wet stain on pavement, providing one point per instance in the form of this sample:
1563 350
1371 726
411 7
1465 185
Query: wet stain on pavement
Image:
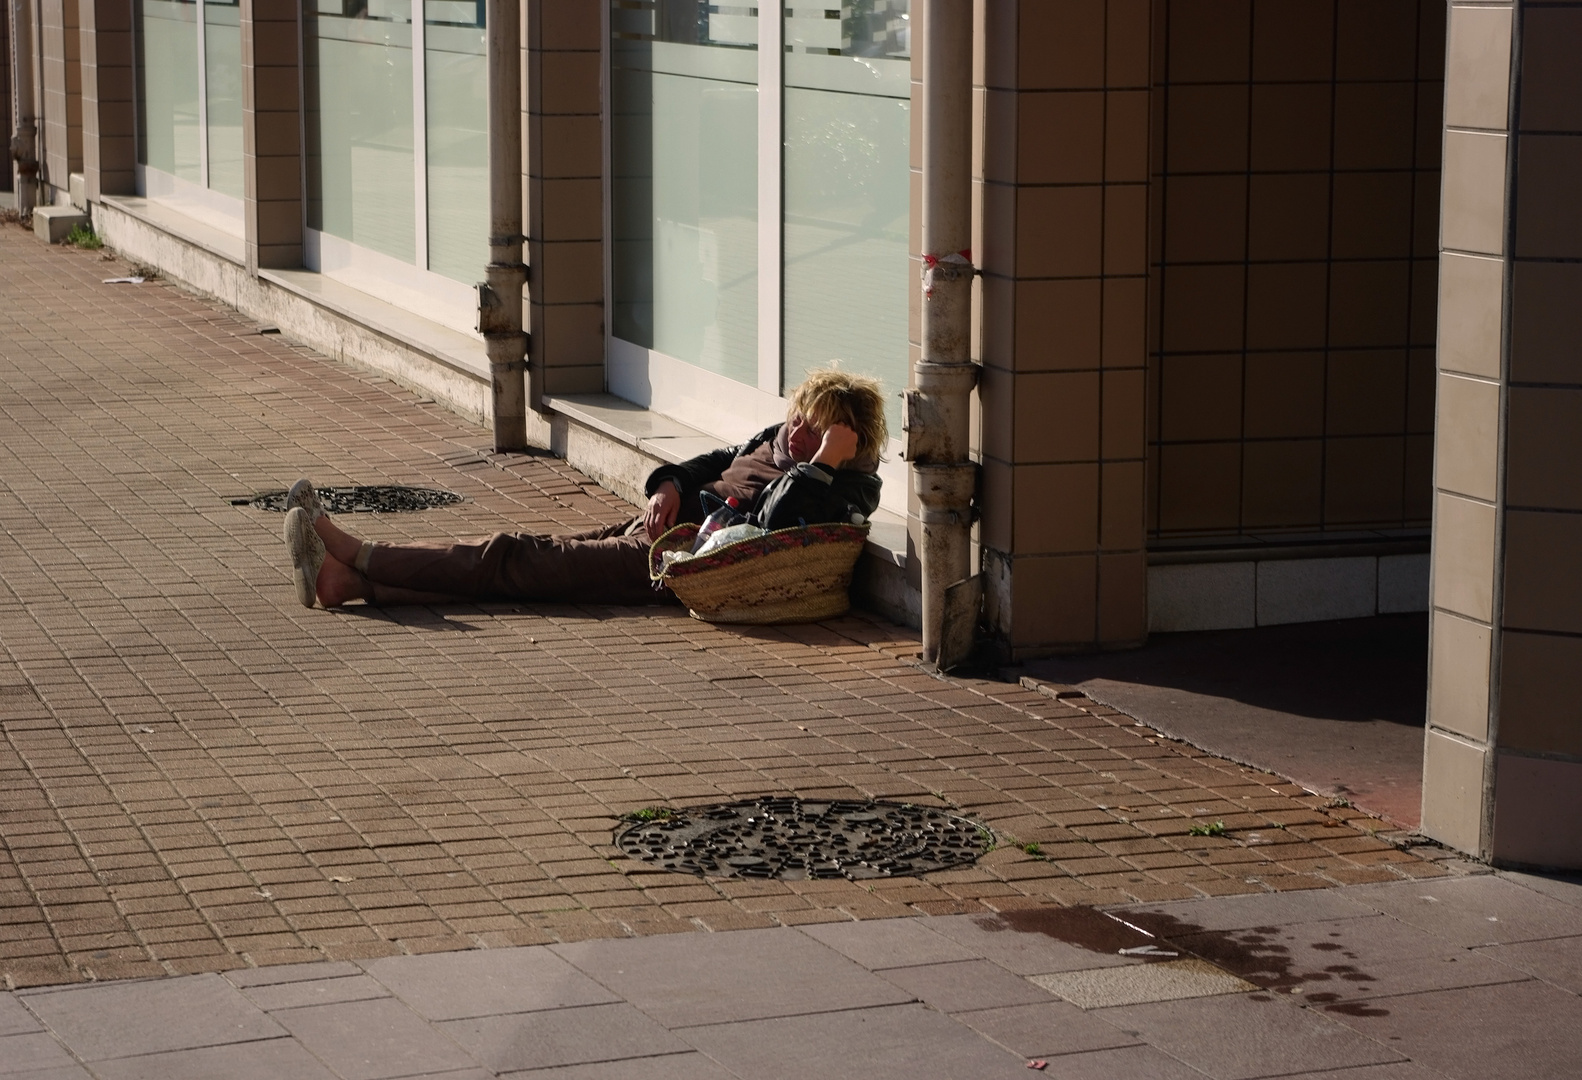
1269 957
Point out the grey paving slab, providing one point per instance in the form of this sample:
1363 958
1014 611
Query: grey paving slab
1125 1063
1021 951
1520 1031
25 1053
1345 959
1045 1029
691 1066
1399 1070
374 1040
965 984
681 979
270 1059
1240 912
294 995
14 1018
1171 980
1473 911
286 973
449 986
886 943
1240 1036
150 1016
548 1037
1557 961
61 1072
904 1042
1567 888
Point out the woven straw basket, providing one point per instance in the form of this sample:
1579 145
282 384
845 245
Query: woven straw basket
786 576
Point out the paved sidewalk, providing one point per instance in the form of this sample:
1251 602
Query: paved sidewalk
1466 978
236 805
199 774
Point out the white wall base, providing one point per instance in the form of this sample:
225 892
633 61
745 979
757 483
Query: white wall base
1269 592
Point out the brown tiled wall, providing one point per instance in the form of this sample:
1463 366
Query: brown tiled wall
61 106
109 153
1296 165
1064 183
565 197
271 133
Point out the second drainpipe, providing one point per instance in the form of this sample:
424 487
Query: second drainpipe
937 408
24 143
500 295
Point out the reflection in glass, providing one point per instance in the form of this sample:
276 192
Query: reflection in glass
169 138
222 48
358 104
456 72
684 159
847 189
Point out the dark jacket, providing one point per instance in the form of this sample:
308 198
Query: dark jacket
806 494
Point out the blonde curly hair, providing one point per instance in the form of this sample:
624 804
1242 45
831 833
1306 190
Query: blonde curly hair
831 396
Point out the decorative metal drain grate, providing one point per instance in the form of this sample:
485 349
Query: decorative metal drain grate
793 839
375 499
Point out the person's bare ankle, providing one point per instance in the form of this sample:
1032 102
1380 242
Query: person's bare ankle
340 544
339 583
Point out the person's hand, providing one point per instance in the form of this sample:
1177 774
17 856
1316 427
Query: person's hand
839 446
663 509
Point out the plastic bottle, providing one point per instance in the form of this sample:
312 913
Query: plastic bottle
726 514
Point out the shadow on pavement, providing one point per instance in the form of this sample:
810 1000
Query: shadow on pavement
1336 706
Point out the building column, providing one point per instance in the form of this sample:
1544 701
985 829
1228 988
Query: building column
564 152
109 145
60 109
1503 754
1064 185
272 133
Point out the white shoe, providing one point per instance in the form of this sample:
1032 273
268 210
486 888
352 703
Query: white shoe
302 494
307 554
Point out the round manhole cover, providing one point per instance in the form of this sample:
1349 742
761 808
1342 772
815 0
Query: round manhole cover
372 499
796 839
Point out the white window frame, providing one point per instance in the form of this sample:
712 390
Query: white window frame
697 397
413 286
225 213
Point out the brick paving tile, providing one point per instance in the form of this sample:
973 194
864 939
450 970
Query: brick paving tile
197 774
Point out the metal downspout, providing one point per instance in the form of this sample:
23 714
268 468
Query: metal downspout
500 294
24 143
937 408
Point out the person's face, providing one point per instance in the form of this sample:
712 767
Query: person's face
803 439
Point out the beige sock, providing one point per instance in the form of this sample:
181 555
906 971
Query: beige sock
363 555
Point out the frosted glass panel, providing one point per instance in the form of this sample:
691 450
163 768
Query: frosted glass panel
684 156
847 188
359 113
222 46
169 138
456 76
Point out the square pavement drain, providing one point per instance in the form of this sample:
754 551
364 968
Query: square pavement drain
1171 980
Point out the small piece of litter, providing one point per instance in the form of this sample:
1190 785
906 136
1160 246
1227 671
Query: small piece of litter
1494 918
123 281
1039 1064
339 878
265 893
1146 950
532 641
1296 989
146 730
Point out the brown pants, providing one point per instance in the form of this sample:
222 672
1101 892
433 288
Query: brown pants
602 566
